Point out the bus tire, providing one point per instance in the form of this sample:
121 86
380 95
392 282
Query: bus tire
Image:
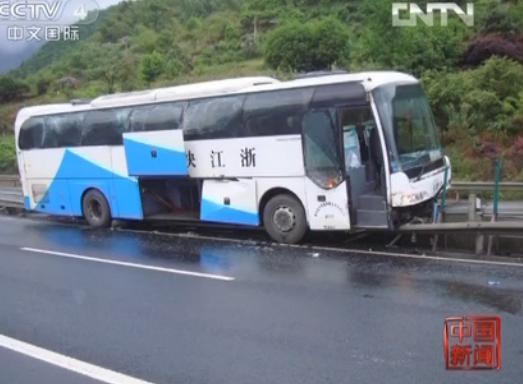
284 219
96 209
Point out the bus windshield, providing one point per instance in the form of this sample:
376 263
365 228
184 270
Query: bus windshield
409 127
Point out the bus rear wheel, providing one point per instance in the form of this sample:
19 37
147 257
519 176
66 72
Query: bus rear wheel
96 209
284 219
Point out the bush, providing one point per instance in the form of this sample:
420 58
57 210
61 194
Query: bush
308 47
12 89
42 85
515 152
484 98
479 107
483 47
496 17
7 154
481 113
502 76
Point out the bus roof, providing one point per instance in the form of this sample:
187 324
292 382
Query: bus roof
182 92
369 80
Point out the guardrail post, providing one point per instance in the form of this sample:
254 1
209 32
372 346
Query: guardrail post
439 210
495 209
473 217
472 207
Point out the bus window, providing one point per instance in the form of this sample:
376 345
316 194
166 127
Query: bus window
320 141
352 147
105 127
63 130
330 95
160 117
361 143
137 119
275 113
32 134
213 118
358 129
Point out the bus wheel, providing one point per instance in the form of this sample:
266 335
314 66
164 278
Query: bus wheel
284 219
96 209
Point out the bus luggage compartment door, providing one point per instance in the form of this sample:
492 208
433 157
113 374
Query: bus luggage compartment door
230 201
156 153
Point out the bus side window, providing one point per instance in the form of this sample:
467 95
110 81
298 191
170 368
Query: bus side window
160 117
137 119
214 118
64 130
320 142
275 113
32 134
104 127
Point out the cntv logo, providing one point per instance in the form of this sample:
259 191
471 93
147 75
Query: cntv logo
415 13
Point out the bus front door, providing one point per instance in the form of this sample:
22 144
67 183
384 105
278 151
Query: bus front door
364 168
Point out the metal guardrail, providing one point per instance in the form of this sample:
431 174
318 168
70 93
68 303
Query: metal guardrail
11 197
506 209
485 186
9 180
464 226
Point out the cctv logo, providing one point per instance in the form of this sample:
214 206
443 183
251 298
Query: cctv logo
30 10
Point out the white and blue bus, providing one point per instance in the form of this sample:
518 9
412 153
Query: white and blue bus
336 152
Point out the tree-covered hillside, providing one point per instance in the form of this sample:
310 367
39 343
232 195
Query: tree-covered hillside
474 76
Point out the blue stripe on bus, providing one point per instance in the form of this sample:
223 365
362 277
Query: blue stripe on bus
27 202
64 195
211 211
149 160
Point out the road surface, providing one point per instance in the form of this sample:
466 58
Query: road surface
172 309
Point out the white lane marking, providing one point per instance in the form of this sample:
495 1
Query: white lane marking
334 249
131 265
71 364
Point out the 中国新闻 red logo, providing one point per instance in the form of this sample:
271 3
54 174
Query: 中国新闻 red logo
472 342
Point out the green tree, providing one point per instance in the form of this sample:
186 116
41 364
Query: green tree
316 45
106 64
152 66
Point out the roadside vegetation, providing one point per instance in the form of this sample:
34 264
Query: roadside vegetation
473 76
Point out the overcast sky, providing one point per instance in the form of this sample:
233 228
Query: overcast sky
12 53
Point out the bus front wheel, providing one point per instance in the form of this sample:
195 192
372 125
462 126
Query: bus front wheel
284 219
96 209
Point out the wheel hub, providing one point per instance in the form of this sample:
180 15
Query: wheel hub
284 219
95 209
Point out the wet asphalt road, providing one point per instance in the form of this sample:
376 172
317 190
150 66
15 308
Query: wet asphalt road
291 315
